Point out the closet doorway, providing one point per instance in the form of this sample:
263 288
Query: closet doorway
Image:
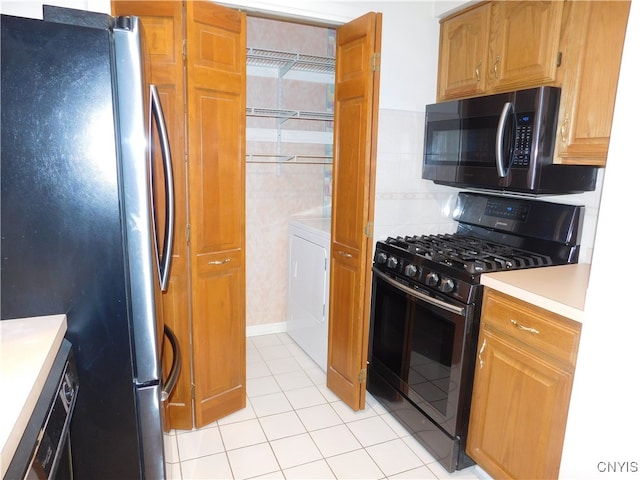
290 97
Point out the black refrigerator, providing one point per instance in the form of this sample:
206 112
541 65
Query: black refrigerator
80 234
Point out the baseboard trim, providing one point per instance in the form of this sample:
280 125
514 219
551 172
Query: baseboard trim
266 329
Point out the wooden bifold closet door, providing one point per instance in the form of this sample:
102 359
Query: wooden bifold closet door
197 58
355 141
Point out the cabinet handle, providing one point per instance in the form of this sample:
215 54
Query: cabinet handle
344 254
495 67
526 329
220 262
563 129
478 71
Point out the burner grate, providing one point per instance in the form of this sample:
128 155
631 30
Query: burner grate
471 254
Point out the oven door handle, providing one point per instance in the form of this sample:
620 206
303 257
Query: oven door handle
417 294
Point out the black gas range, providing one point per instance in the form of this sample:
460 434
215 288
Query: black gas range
493 234
426 303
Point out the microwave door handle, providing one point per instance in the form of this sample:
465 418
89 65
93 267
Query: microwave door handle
164 260
502 125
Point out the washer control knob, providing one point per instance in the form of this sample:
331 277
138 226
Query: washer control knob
392 262
432 279
410 270
381 257
446 285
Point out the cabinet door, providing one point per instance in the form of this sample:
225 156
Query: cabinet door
518 410
216 84
595 36
524 42
162 24
356 122
462 62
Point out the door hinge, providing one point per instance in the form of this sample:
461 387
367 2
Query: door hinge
559 59
375 62
362 376
368 230
187 234
184 50
193 392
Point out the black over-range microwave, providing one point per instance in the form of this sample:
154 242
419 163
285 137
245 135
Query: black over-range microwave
500 142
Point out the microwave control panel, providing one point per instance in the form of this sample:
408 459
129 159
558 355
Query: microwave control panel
522 146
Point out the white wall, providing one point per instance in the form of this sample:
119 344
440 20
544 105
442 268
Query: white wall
604 415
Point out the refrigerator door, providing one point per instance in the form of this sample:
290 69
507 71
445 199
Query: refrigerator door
79 231
132 100
63 244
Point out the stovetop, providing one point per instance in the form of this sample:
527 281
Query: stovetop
468 253
494 234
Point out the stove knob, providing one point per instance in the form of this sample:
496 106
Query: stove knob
392 262
446 285
410 270
432 279
381 257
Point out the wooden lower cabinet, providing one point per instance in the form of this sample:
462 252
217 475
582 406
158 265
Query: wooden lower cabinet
522 386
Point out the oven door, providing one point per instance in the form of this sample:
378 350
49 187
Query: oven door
424 348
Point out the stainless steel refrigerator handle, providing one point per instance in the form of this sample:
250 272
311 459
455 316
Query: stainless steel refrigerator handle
500 139
414 293
165 257
176 365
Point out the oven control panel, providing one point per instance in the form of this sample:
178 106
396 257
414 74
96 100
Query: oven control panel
416 272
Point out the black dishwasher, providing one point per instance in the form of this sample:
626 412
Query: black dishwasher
44 451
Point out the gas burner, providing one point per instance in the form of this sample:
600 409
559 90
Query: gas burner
471 254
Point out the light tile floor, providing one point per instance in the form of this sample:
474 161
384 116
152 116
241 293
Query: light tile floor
294 427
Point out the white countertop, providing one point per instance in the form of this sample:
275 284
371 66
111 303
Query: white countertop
560 289
28 347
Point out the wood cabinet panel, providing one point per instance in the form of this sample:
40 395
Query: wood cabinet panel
216 181
592 55
218 336
521 390
518 412
535 327
499 46
524 43
462 62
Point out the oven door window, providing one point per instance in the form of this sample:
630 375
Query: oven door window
417 347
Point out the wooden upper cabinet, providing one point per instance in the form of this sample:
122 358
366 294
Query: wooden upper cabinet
499 46
463 53
592 47
524 44
522 386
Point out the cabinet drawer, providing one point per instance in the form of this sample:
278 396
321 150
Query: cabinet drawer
540 329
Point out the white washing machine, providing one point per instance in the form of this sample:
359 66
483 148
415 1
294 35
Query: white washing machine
308 286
